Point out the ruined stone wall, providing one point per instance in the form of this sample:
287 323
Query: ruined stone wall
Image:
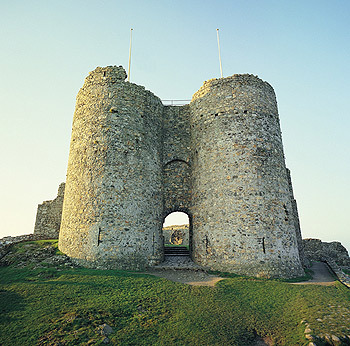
48 216
296 220
7 242
112 212
317 250
241 202
176 235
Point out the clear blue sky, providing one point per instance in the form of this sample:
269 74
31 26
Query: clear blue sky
302 48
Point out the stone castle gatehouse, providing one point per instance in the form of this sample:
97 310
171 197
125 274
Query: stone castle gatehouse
219 159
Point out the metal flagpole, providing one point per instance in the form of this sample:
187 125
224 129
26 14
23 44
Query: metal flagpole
217 33
129 55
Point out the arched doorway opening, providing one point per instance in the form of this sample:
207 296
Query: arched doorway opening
177 233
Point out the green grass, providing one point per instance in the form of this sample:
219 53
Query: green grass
306 277
175 245
49 306
23 247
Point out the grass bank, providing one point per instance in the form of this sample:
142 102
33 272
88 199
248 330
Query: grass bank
51 306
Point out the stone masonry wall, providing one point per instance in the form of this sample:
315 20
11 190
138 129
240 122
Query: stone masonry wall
333 253
7 242
317 250
242 211
176 159
48 216
113 207
296 220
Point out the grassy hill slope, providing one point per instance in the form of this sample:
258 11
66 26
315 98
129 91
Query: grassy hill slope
58 306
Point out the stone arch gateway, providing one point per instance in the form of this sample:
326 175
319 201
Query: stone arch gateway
133 160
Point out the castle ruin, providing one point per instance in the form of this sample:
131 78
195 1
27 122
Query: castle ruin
219 159
48 216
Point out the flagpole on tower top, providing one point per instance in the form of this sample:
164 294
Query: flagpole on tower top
217 33
129 55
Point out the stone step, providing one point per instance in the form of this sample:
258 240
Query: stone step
176 251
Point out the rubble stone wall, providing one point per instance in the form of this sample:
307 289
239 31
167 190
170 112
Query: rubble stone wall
48 217
296 220
333 253
176 159
317 250
176 235
243 217
7 242
113 207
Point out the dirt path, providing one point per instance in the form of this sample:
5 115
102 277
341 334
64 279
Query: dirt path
191 273
190 277
183 269
321 276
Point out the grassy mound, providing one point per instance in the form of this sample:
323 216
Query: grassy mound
59 306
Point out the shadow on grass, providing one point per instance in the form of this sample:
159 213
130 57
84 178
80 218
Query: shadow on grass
9 302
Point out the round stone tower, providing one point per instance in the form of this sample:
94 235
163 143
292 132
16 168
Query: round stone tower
242 212
112 211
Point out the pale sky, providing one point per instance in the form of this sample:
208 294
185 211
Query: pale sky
302 48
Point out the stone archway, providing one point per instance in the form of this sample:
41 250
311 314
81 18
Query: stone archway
177 234
177 186
176 197
176 229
